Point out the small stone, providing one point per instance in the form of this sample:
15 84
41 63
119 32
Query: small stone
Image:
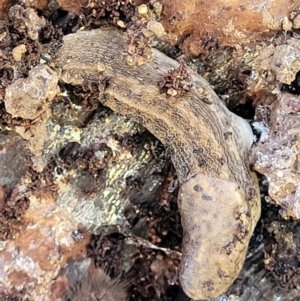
147 33
121 24
156 28
29 97
276 157
18 51
172 92
157 7
29 18
143 10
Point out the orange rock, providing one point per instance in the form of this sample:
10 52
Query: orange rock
33 259
229 21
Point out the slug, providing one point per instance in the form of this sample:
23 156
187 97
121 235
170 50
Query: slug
219 197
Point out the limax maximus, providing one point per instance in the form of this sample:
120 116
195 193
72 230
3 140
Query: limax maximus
218 199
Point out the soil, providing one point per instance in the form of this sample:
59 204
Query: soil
153 276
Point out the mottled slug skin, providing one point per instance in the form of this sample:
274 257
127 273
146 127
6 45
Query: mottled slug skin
219 199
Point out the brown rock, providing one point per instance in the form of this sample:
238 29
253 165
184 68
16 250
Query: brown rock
230 21
29 98
33 259
73 6
40 4
27 18
4 6
283 60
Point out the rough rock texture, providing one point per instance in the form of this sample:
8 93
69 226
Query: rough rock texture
40 4
33 259
104 197
277 155
283 60
86 187
231 21
200 23
28 20
29 98
12 159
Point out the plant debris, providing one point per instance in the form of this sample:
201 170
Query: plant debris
176 82
88 93
97 13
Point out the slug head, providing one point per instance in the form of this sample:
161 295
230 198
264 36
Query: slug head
218 220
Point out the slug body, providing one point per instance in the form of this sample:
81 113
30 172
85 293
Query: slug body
218 199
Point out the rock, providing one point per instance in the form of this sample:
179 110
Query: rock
33 259
156 28
143 10
283 60
12 160
231 22
287 24
28 18
49 233
277 157
18 51
29 97
39 4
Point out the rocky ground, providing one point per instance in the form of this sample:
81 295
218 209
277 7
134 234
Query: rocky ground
82 187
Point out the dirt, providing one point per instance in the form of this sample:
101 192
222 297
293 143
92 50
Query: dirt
153 275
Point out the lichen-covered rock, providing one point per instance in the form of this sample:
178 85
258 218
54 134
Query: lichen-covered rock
98 201
49 233
29 97
277 157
